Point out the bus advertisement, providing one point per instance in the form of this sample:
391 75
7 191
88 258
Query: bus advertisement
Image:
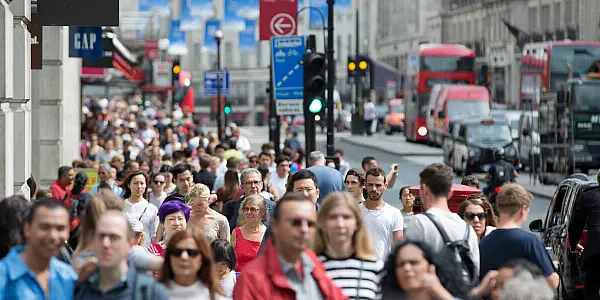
427 66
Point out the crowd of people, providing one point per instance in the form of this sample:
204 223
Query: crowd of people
180 214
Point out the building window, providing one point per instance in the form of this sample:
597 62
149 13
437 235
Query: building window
568 12
545 18
556 19
533 19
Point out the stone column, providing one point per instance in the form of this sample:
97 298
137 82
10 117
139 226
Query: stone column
22 91
6 95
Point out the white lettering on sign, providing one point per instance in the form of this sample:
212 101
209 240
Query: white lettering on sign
289 107
595 119
84 41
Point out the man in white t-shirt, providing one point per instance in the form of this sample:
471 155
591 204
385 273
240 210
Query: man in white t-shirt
384 222
280 178
436 185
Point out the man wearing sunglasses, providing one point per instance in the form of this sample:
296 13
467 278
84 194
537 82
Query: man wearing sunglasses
288 269
114 279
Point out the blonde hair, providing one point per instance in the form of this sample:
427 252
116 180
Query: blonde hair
512 197
197 191
259 200
361 240
96 207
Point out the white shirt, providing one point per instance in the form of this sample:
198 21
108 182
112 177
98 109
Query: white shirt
381 225
243 144
279 183
147 213
229 283
419 227
370 113
193 292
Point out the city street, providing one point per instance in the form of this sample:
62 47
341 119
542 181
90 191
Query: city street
411 157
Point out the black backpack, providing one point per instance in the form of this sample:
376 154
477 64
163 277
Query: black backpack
462 252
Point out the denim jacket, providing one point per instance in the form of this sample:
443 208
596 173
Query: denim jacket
18 282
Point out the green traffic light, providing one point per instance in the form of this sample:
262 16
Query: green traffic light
315 106
227 109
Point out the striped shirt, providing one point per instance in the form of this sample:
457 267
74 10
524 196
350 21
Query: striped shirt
358 279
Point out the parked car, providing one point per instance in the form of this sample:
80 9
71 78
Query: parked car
513 117
554 233
529 139
394 119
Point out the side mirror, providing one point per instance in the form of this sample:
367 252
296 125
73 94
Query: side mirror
536 225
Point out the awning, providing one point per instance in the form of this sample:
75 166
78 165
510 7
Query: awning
130 72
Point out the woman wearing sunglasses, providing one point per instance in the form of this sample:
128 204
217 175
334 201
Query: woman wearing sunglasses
247 238
477 211
189 271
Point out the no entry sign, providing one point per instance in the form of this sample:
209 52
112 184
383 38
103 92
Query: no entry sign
278 18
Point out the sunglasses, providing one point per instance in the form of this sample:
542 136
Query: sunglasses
158 182
471 216
178 252
251 209
299 222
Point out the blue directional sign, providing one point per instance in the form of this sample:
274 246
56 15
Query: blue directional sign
85 42
210 83
288 73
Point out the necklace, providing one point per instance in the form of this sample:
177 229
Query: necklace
254 231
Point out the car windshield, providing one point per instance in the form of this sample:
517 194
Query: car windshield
399 108
587 96
467 108
514 128
489 133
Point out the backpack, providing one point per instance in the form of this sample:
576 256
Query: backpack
143 288
461 250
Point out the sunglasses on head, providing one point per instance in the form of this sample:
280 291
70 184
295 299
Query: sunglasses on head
178 252
471 216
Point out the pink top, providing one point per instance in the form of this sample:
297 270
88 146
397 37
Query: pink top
246 250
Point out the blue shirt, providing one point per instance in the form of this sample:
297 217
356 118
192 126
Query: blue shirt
18 282
329 179
504 245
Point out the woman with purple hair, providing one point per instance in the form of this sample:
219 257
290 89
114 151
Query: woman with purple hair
174 215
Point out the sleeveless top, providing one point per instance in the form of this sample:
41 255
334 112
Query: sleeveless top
246 250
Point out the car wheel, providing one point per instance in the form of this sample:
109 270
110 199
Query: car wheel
388 130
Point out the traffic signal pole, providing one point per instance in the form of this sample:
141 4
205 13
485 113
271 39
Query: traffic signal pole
274 120
357 125
330 79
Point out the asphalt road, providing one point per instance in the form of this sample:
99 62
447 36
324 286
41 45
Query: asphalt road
408 174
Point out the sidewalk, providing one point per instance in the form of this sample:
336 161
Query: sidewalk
425 155
394 144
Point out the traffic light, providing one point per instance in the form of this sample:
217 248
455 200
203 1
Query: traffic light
351 67
362 64
175 70
227 108
314 82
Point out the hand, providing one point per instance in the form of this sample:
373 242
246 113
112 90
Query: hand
430 281
486 285
579 249
212 199
395 167
87 268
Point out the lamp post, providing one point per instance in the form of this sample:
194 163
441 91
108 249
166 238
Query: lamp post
220 130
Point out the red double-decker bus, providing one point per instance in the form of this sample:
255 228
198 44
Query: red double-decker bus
427 66
545 65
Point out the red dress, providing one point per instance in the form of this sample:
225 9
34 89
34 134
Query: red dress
245 250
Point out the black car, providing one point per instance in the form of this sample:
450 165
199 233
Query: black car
554 233
470 146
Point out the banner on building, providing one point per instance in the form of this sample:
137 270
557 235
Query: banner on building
177 42
237 11
247 37
189 22
209 34
205 9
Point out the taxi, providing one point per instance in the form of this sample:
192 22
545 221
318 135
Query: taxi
394 119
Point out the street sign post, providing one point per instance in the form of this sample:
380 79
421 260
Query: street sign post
278 18
85 42
288 74
210 83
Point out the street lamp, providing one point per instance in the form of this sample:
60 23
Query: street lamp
220 130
